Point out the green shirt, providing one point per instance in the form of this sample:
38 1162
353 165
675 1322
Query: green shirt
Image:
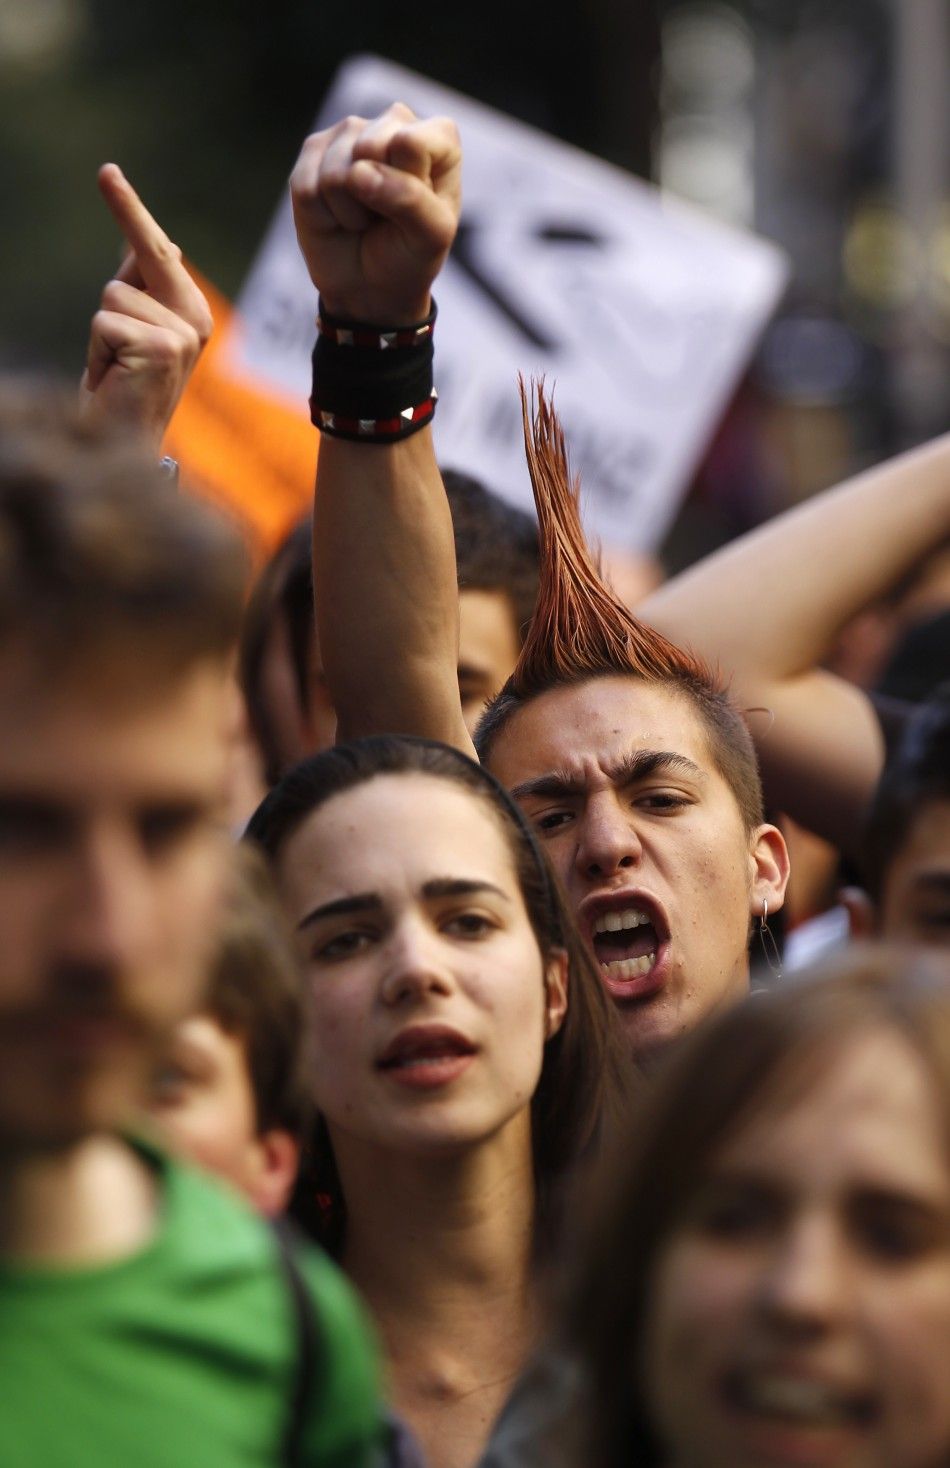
183 1355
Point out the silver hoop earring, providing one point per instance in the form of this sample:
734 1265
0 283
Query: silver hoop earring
773 959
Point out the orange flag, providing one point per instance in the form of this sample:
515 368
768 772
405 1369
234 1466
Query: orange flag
239 445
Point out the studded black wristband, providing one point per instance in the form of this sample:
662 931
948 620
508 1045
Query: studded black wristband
372 384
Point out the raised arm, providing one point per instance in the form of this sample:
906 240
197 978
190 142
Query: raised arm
769 607
376 206
150 328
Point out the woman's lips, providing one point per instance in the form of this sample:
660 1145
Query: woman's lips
428 1075
425 1057
798 1418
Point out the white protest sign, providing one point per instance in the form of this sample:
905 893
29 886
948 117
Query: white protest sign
640 311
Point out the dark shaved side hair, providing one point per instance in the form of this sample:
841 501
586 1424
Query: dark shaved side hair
580 630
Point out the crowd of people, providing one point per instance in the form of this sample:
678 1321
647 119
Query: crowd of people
396 1064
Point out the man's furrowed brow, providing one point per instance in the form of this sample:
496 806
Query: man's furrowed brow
359 902
641 764
555 785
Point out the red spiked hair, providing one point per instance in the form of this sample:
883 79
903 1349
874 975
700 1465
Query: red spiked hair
580 630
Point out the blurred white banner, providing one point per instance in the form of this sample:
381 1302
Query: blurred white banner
641 312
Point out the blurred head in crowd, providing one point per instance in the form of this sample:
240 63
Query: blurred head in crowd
769 1281
907 847
898 645
496 556
639 775
281 672
233 1091
119 604
919 662
455 1006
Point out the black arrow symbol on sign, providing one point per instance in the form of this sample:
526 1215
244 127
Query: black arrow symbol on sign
465 254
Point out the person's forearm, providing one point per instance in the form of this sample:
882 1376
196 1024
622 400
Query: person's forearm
770 605
376 206
386 591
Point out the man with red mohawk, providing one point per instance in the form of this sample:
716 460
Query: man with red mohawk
633 764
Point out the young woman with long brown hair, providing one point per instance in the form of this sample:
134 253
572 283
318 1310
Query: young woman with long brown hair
467 1060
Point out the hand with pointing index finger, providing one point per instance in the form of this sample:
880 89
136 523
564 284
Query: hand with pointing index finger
376 206
151 325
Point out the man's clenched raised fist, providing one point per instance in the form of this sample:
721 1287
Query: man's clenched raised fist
376 205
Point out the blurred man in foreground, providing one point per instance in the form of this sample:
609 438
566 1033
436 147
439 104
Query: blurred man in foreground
145 1316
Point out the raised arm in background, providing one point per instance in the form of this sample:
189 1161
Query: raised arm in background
769 607
151 325
376 206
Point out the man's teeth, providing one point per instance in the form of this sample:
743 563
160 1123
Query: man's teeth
792 1398
629 968
615 922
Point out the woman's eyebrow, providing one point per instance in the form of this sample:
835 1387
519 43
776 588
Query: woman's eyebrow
737 1175
359 902
362 902
461 887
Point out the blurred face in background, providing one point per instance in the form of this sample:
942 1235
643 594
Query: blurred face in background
488 651
488 648
800 1312
915 899
204 1105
